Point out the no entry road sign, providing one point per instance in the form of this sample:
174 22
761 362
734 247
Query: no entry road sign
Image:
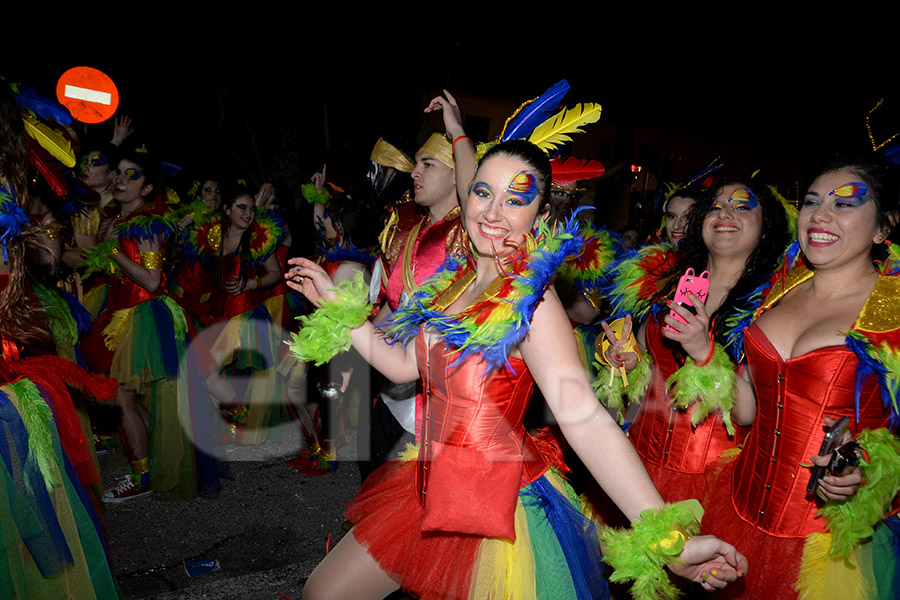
89 94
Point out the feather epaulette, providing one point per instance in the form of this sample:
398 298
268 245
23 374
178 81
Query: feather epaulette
635 280
588 271
875 339
203 237
268 233
490 327
151 221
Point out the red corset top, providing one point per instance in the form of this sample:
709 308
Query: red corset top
661 433
793 397
470 408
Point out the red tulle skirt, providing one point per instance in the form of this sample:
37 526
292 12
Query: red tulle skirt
774 562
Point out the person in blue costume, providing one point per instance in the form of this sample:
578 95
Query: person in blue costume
479 509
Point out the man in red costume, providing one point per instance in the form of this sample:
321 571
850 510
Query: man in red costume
417 239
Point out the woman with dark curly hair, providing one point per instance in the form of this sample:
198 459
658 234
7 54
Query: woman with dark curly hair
687 353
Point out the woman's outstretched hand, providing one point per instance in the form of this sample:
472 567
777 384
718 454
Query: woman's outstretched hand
710 562
310 279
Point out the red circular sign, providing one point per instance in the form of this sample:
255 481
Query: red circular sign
89 94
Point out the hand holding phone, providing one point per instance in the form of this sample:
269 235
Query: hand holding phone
831 441
689 282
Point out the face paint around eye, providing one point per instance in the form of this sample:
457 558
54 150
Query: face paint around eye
854 192
130 174
742 197
524 186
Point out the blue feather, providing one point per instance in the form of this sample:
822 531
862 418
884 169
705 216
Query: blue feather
79 312
535 112
870 366
42 106
577 537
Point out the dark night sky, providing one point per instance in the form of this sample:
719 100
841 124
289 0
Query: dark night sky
792 104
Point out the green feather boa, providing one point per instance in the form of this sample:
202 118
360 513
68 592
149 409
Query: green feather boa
326 332
617 395
712 387
640 553
854 519
98 259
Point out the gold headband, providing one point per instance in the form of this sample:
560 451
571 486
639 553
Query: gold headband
439 147
385 154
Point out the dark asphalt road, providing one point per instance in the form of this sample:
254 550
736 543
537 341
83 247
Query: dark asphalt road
268 528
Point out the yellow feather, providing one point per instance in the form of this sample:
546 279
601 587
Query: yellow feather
555 131
113 330
824 577
411 452
50 140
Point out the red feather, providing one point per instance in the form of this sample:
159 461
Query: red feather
569 170
49 168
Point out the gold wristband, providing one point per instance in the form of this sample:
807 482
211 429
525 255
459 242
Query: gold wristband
258 280
152 260
113 251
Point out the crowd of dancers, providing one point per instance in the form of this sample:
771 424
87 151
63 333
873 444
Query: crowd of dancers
691 380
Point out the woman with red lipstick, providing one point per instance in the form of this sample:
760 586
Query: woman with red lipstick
824 346
736 233
479 509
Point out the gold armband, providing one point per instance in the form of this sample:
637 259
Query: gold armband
152 260
258 280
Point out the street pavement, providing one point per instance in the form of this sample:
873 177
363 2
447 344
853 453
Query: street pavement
267 529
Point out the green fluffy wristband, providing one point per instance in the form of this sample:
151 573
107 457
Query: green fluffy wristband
711 387
312 196
98 259
326 332
640 553
616 394
853 520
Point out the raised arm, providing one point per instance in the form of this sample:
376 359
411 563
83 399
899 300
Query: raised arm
463 147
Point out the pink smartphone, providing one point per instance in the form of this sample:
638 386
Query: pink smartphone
689 283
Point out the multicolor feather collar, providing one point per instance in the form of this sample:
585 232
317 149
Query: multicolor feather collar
203 238
152 220
635 283
501 317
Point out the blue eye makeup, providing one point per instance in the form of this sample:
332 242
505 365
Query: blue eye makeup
523 185
740 199
130 174
854 193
